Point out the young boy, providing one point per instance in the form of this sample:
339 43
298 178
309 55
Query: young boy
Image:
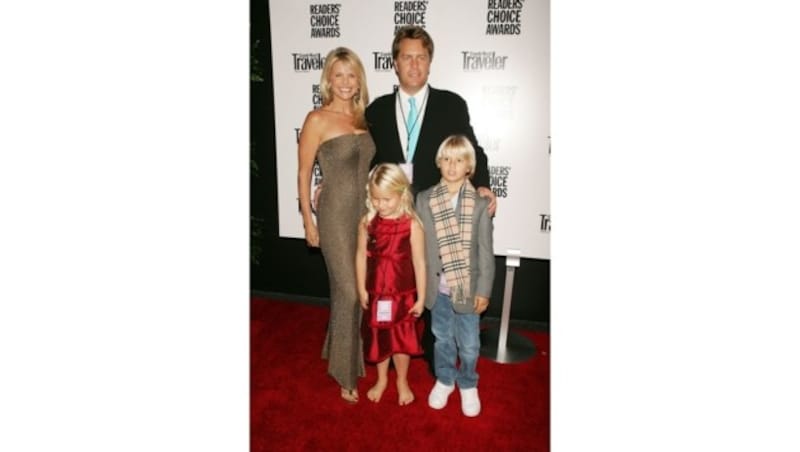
460 272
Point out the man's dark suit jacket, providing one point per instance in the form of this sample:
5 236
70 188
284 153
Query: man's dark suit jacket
446 114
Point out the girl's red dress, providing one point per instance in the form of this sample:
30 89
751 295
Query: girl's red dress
390 276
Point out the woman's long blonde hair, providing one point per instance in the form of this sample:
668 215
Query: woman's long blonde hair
391 178
361 98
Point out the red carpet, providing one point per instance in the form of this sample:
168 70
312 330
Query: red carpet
295 405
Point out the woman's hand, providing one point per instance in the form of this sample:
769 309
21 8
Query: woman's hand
312 236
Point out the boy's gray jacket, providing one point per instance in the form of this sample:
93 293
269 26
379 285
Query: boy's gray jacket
481 256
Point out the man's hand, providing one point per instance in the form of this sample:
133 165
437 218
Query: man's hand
485 192
314 198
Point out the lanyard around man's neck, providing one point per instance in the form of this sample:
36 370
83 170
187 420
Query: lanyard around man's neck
413 130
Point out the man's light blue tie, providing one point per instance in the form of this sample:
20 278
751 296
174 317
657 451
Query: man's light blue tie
412 127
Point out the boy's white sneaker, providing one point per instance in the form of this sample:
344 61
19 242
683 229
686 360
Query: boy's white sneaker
437 399
470 403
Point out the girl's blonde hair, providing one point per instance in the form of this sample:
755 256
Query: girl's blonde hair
389 177
457 146
361 98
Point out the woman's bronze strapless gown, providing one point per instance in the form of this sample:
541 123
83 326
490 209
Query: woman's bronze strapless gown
345 162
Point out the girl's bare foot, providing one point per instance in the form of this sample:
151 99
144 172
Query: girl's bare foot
404 394
376 391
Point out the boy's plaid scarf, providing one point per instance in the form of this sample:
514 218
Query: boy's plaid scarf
454 235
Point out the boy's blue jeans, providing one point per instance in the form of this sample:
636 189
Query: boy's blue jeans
457 336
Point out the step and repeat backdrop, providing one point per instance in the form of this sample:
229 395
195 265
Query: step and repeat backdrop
494 53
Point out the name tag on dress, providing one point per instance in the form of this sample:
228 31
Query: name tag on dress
384 311
408 168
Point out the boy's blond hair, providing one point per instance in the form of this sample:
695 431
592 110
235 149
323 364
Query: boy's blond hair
457 146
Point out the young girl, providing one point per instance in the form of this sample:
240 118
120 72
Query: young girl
390 273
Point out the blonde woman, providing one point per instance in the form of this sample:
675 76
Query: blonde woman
336 135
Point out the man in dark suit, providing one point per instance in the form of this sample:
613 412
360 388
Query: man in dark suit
413 142
440 114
